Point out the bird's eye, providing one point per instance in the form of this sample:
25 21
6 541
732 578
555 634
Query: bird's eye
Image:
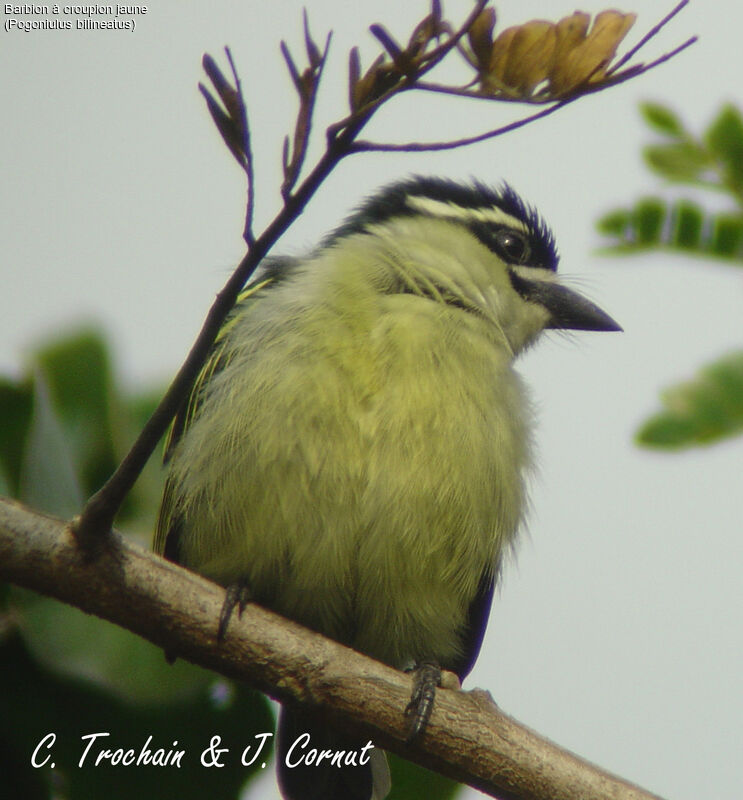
513 246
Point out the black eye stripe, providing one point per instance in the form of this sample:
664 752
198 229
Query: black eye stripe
477 207
518 247
503 241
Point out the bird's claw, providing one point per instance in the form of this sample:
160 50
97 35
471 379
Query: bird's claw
237 594
427 679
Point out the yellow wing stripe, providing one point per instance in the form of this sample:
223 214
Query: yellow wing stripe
214 363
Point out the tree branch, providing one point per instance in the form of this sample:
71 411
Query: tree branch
98 514
381 83
363 146
468 737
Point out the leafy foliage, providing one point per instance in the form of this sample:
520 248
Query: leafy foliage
544 60
681 225
411 781
37 701
701 410
714 161
710 406
65 424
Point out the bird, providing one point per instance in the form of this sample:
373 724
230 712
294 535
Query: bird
354 453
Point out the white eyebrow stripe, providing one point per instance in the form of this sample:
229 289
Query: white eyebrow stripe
543 274
441 208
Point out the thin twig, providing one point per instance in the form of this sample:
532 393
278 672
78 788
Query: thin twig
95 521
648 36
613 79
476 94
248 165
439 52
408 82
617 78
225 116
303 128
313 54
92 527
362 146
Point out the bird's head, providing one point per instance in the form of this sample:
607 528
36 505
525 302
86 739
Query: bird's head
477 249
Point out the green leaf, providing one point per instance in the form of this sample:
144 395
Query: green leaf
685 227
79 373
409 780
139 513
89 421
615 223
724 138
727 235
5 489
141 406
686 231
662 119
680 161
637 228
647 220
35 702
69 642
48 479
77 370
16 405
702 410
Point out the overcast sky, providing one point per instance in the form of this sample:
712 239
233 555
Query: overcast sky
618 633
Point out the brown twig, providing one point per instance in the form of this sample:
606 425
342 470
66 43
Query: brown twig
363 146
613 79
439 52
96 519
306 86
652 33
232 122
407 82
247 149
226 120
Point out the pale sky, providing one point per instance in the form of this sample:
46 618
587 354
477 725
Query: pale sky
618 632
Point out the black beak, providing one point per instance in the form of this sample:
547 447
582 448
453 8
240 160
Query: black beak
568 309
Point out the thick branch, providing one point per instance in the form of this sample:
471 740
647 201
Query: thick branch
468 738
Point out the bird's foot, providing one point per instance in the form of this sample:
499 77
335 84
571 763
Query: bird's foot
425 681
237 594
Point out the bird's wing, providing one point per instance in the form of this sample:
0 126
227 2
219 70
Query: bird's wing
477 622
168 523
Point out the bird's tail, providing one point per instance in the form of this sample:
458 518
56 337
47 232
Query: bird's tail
315 762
